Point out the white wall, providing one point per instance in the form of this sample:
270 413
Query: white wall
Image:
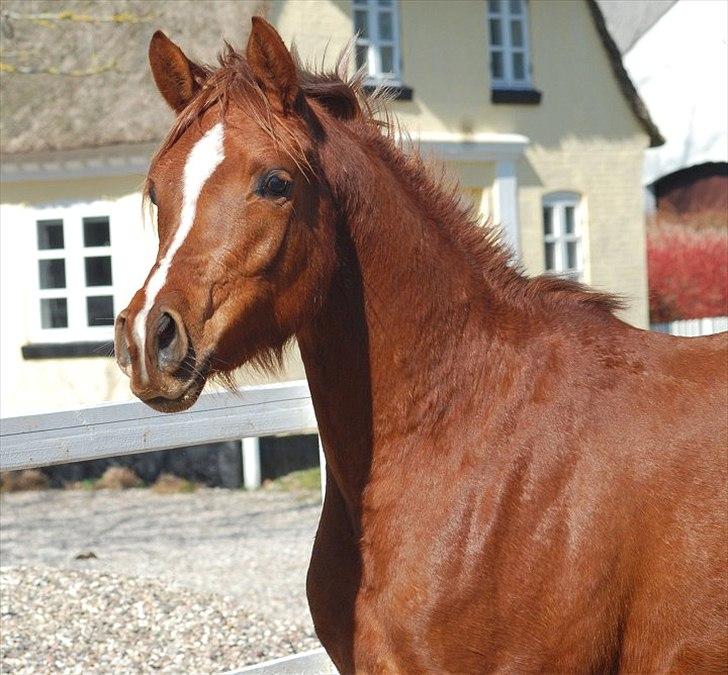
35 385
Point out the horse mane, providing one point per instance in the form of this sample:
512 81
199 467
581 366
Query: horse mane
343 96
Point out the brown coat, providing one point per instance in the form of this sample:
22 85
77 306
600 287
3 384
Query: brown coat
517 480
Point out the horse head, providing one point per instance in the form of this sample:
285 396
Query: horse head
245 219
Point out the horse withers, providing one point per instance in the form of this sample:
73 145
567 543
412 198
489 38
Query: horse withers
516 479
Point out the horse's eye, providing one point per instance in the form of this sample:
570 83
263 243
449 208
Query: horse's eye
274 185
152 194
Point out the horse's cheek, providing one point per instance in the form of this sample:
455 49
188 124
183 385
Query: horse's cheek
261 245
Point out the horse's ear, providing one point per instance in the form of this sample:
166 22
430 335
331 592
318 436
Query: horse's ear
272 64
178 79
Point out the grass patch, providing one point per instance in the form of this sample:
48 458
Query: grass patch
168 484
118 478
88 484
20 481
306 480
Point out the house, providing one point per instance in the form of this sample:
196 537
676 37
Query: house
675 53
526 103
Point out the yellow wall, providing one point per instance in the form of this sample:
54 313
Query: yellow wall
320 29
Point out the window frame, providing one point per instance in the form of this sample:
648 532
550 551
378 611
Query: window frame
373 43
506 48
558 202
76 291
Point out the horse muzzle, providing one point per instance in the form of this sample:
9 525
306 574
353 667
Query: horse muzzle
159 360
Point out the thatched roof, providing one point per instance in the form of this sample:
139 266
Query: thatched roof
629 20
68 83
104 93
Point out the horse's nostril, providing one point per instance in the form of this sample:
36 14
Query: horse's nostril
166 331
172 342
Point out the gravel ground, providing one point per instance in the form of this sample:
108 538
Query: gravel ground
183 583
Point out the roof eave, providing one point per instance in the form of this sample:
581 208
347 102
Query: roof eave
124 159
634 100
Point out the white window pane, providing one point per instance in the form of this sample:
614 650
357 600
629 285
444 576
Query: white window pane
52 273
100 310
494 6
550 256
96 231
98 271
517 33
385 26
515 6
495 32
571 257
548 220
54 313
361 56
519 66
387 59
496 65
50 234
569 220
361 25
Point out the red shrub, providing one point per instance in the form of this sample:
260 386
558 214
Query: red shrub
687 271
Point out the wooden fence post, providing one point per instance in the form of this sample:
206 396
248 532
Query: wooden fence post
322 464
251 463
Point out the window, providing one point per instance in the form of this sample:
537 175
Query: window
74 274
562 235
376 24
508 28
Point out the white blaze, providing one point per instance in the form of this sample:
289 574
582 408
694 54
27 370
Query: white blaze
202 161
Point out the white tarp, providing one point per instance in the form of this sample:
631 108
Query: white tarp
680 68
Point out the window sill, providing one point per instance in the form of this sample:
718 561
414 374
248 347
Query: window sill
398 92
67 350
518 96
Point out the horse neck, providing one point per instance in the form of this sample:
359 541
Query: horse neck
403 312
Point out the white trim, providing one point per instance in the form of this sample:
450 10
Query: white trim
73 253
116 160
558 202
505 204
475 148
134 159
374 43
502 149
506 48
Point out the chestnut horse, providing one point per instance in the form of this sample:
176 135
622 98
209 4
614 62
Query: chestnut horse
517 480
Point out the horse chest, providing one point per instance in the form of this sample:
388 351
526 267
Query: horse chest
435 590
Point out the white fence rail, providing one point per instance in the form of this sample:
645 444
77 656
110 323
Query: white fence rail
112 430
314 662
693 327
